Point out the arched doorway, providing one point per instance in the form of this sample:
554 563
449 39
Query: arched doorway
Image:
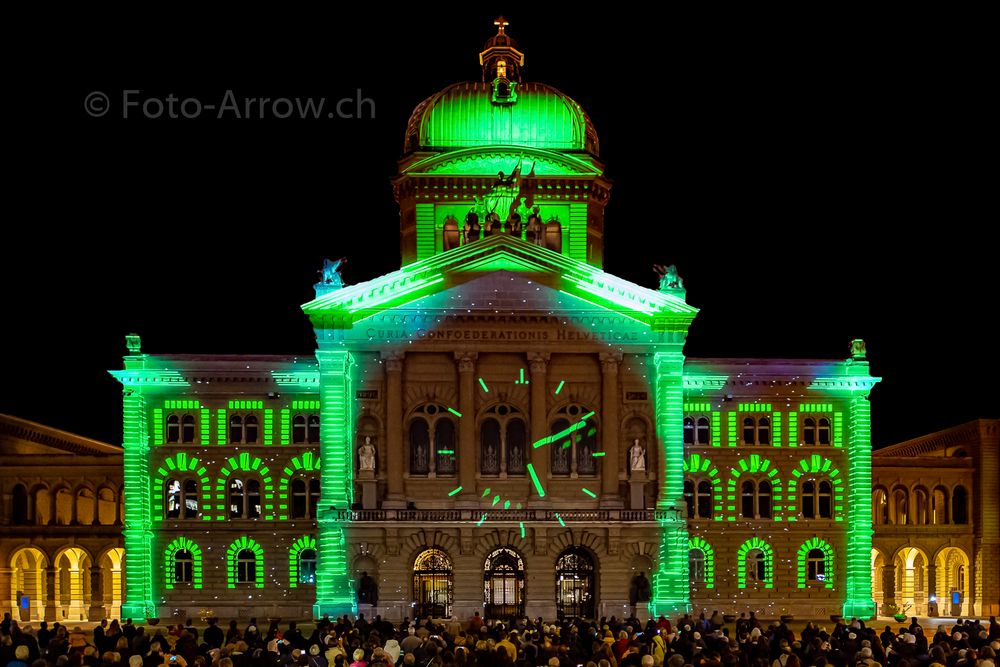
433 581
72 584
575 586
111 581
953 585
878 587
27 583
911 579
503 584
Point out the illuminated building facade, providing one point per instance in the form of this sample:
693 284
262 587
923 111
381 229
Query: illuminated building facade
60 524
499 426
936 548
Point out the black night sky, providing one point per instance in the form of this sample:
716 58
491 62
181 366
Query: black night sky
815 179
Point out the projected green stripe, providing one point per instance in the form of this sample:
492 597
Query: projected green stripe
534 480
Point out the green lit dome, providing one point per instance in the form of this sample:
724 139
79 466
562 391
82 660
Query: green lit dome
465 115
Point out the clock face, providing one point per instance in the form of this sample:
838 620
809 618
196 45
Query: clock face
564 438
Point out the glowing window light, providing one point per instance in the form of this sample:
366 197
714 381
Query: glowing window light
755 465
741 561
776 429
298 546
180 463
246 463
826 578
169 564
731 439
698 465
698 542
239 544
221 434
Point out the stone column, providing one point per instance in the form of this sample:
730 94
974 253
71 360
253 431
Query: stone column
888 589
933 608
610 498
96 611
538 362
51 610
466 429
858 602
395 454
97 508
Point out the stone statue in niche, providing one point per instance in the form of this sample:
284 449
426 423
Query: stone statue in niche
639 589
366 455
637 456
367 590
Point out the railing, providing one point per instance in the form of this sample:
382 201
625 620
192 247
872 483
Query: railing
493 516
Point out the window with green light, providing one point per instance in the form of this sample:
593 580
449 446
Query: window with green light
755 564
304 468
302 562
245 563
244 483
702 563
703 489
176 486
815 564
755 488
816 490
182 564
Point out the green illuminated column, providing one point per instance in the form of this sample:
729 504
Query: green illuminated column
139 594
670 584
333 585
858 602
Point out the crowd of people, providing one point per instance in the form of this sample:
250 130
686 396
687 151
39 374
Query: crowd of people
609 642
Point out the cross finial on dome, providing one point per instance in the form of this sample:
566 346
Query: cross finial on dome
501 23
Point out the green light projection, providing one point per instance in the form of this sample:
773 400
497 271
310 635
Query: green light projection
824 468
696 464
138 535
671 592
334 592
169 564
180 465
300 545
754 466
755 543
246 463
715 417
232 561
803 561
708 553
305 463
859 602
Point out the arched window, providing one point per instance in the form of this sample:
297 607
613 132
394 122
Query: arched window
503 584
175 499
183 567
236 430
816 565
573 451
939 506
237 499
764 500
313 430
809 499
959 506
689 497
920 504
824 431
432 441
299 430
314 492
900 506
187 429
689 431
809 431
307 566
516 447
420 447
756 566
749 493
704 431
433 581
19 513
696 566
250 428
825 500
489 447
253 499
756 431
300 500
246 567
704 500
173 429
575 584
880 506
